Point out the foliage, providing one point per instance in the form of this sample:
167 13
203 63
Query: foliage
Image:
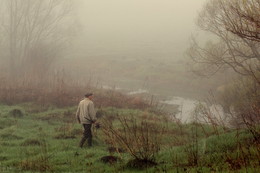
140 139
242 100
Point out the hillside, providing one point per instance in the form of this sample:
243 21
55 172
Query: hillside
45 139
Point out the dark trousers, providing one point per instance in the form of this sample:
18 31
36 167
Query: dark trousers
87 135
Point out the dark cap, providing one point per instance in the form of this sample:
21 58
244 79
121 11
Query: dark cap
88 94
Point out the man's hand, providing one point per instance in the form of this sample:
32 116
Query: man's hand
97 125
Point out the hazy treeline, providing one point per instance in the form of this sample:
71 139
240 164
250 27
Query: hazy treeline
34 33
236 24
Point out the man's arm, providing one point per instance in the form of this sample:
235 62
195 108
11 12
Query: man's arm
77 114
92 112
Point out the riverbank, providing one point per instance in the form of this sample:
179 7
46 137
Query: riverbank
177 107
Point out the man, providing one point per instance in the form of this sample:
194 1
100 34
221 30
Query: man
86 115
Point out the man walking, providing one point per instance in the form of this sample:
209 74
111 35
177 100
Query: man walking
86 115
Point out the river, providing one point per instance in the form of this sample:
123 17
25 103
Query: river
186 107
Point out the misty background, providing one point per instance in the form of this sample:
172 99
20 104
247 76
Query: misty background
138 44
133 45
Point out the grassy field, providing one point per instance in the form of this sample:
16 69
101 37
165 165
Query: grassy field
45 139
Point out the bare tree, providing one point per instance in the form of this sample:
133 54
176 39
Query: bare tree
34 31
236 25
243 18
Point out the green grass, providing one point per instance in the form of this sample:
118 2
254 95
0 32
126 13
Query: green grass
46 139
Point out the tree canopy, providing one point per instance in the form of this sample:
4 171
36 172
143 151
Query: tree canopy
236 24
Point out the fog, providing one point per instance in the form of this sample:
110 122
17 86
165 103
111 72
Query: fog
150 37
138 26
135 45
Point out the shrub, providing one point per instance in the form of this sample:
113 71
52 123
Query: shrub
17 113
141 139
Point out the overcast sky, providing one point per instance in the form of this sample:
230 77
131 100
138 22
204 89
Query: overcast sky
162 25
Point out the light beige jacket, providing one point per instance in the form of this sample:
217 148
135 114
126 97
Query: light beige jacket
86 113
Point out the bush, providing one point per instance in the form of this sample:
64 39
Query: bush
17 113
242 100
61 91
141 139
